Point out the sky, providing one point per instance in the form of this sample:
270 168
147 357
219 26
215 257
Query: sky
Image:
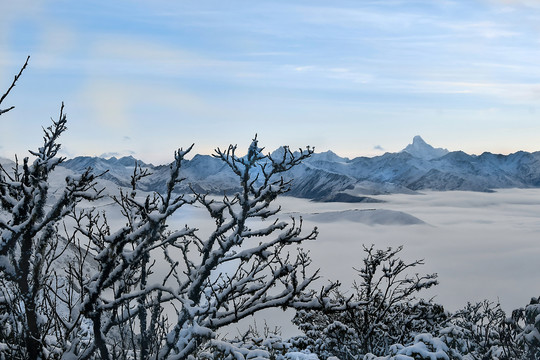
360 78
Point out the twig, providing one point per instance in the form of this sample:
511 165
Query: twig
12 86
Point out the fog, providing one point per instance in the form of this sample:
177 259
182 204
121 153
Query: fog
482 245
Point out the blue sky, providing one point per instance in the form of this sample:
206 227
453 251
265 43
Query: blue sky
358 77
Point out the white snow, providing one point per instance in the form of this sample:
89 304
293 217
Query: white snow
300 356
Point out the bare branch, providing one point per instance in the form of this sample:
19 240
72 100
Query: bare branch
15 79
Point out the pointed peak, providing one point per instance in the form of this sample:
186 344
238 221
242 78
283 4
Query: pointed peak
420 149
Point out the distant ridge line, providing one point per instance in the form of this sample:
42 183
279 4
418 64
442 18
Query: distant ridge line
326 176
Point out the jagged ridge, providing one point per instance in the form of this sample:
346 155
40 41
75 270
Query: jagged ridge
417 167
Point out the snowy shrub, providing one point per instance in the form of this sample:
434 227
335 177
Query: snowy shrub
530 336
425 346
385 313
481 331
253 345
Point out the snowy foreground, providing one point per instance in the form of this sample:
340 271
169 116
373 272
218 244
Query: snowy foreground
482 245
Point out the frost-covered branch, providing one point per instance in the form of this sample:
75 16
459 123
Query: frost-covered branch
241 267
29 239
382 310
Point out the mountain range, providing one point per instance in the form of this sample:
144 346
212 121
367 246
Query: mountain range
418 167
328 177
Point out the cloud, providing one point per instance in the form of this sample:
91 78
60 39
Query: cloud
378 17
347 74
524 3
119 105
123 55
57 44
482 246
110 102
485 29
469 233
513 93
378 148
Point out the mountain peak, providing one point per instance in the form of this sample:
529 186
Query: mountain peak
329 155
420 149
418 140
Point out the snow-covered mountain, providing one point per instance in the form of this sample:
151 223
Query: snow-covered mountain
6 163
116 170
329 177
420 149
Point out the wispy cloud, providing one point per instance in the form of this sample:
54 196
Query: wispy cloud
336 73
486 29
514 93
126 55
517 3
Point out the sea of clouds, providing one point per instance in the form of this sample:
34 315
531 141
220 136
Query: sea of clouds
481 245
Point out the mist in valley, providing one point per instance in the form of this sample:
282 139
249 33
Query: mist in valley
481 245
